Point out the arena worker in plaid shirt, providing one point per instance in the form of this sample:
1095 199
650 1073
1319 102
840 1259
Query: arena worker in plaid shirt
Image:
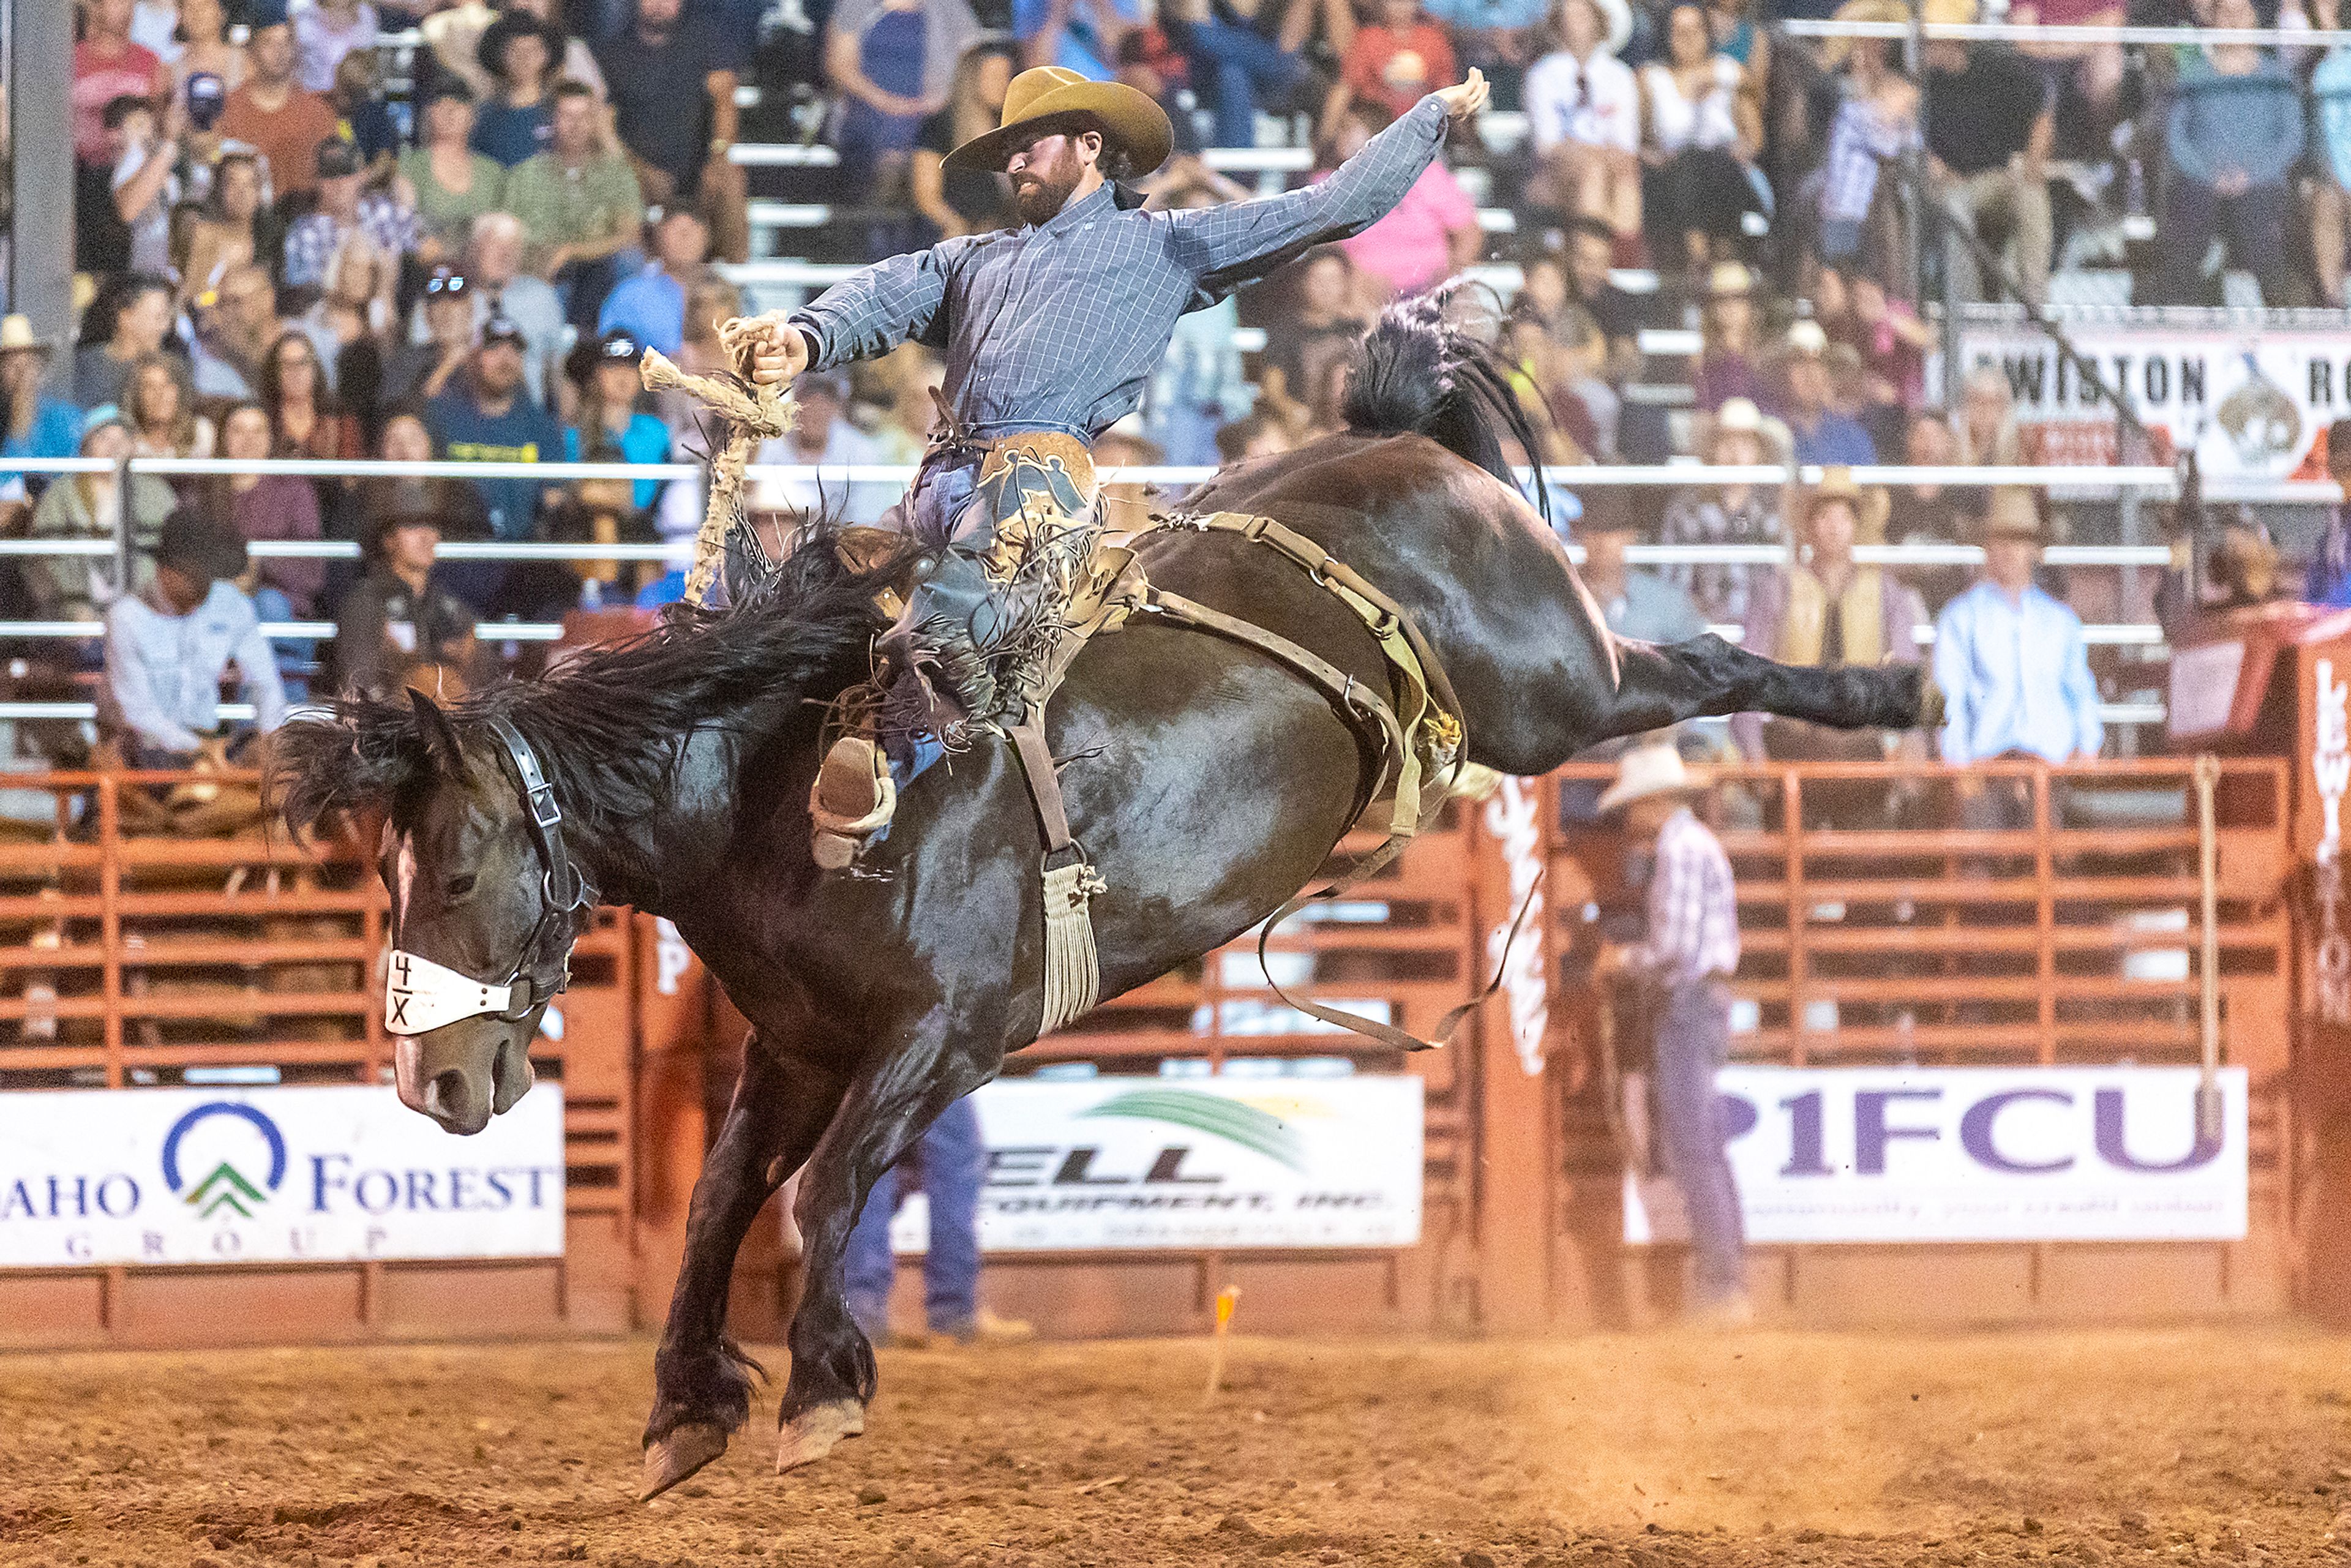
1687 960
1050 332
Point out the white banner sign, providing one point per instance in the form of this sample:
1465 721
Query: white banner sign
1199 1162
2254 405
271 1175
1913 1154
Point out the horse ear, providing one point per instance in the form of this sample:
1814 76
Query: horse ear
440 735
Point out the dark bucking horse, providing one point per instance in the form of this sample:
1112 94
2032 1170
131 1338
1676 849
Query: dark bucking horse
1207 781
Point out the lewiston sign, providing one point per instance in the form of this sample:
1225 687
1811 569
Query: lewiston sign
271 1175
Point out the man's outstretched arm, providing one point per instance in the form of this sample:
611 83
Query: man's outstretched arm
1228 246
866 314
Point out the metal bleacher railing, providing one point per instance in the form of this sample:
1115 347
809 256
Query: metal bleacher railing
2077 483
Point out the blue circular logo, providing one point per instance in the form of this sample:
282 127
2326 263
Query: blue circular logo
224 1185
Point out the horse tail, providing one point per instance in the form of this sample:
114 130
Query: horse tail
1416 373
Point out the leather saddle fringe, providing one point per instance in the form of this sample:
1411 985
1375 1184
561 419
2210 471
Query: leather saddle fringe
1072 967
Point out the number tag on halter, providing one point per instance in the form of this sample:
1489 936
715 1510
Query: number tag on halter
421 995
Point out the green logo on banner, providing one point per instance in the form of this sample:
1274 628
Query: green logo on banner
1260 1132
225 1189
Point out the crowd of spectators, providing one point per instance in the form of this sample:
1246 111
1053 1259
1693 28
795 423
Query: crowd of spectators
278 258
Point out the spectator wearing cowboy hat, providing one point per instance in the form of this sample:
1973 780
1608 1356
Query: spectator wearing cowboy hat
36 424
1726 360
612 425
1636 605
1684 962
1823 436
515 121
1584 110
1827 610
399 616
167 645
2011 664
1739 514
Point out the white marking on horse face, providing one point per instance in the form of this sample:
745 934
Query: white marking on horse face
403 879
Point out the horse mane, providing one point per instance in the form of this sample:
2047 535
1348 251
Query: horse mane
1416 372
611 725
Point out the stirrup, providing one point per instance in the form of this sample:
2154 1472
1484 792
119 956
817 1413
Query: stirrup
851 799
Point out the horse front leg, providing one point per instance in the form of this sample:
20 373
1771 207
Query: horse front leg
1662 685
887 1108
702 1382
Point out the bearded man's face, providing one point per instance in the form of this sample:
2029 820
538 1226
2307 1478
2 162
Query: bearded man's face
1046 171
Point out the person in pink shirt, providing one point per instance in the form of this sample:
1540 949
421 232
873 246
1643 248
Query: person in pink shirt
1430 236
106 65
1392 62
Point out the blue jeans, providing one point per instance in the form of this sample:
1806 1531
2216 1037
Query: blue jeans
1245 63
1693 1040
954 1162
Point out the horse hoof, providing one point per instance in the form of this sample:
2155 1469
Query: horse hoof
816 1431
669 1460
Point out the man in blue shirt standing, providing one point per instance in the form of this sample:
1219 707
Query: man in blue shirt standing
1824 437
1052 332
2013 669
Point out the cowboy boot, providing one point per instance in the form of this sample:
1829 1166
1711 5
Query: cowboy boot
851 799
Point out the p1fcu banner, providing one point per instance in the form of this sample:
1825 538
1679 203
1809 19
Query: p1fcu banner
2034 1154
1143 1162
271 1175
2254 405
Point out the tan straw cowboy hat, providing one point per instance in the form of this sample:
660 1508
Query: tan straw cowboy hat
1654 768
1045 92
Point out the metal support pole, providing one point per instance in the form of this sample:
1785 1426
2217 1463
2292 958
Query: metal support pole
41 172
1914 165
122 523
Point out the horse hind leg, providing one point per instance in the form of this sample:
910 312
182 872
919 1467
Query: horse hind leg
887 1109
1662 685
702 1380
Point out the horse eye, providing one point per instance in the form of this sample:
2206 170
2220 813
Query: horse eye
459 886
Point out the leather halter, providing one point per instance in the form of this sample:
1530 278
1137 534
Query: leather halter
421 995
564 891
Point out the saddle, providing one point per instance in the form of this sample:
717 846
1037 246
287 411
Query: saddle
1411 732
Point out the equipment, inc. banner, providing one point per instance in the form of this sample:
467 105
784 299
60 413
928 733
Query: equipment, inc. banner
1209 1162
1990 1153
271 1175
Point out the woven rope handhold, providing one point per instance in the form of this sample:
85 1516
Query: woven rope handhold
753 413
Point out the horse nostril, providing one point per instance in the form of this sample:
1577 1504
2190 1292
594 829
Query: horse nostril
444 1097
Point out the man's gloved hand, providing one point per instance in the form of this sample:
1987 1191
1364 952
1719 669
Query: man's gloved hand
1462 102
767 348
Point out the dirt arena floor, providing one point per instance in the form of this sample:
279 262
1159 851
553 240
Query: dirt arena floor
1633 1452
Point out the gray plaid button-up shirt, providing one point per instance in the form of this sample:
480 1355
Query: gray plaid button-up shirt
1061 324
